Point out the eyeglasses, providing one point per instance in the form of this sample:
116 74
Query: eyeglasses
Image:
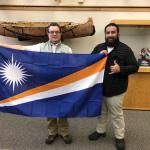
54 32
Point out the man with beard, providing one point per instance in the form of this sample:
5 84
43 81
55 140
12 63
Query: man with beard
121 62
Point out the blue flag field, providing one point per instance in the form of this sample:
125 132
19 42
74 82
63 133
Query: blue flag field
41 84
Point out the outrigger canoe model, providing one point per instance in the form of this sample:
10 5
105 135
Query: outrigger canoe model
38 30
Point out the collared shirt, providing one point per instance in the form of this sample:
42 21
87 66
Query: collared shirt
49 47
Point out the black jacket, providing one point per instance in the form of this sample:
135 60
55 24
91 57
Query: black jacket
115 84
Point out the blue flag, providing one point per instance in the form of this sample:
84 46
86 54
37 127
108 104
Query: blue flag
41 84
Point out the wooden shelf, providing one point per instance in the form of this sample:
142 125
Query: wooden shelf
144 69
132 22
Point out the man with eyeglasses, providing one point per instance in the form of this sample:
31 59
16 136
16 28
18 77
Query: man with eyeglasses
53 45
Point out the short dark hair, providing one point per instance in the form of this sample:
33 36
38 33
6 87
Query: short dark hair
112 24
53 24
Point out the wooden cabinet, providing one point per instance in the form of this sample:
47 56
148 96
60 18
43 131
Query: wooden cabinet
138 92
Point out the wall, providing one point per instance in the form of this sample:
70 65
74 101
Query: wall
137 38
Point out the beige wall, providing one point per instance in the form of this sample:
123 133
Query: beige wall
134 37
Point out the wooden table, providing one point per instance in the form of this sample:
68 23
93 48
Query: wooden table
138 93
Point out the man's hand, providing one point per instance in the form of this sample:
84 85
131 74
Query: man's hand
104 52
114 68
18 47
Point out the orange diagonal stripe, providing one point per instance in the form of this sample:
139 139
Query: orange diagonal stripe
88 71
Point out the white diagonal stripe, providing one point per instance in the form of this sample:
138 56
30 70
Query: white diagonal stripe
72 87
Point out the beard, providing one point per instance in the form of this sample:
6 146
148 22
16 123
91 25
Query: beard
111 41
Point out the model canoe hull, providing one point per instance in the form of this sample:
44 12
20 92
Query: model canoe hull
38 30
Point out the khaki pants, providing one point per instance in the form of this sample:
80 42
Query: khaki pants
56 126
113 106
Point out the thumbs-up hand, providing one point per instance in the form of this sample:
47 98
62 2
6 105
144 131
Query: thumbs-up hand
114 68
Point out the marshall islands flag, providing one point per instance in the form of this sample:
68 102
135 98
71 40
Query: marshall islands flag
50 85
